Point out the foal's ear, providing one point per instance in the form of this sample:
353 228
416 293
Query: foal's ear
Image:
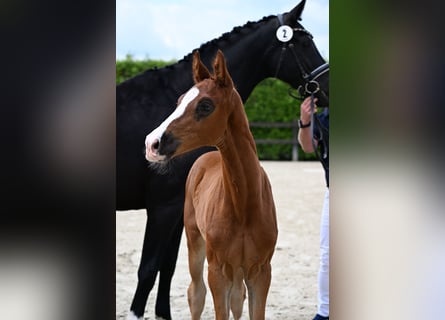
295 14
200 71
221 74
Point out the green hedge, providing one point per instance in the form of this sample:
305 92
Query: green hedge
129 67
269 102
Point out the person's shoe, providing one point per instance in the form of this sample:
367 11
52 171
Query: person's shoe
318 317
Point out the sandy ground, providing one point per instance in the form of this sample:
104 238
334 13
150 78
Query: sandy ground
298 189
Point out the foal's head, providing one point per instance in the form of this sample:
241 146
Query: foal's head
201 116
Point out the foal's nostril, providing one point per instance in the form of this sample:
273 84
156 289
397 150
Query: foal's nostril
155 145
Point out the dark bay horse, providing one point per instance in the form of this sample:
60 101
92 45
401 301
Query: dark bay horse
255 51
229 212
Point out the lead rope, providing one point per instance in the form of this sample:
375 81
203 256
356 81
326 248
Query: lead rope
320 126
314 146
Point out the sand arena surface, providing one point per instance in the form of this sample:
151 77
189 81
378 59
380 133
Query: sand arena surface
298 189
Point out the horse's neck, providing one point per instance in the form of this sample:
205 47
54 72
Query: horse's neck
160 88
244 51
245 68
241 169
178 78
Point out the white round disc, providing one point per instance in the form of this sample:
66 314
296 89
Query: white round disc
284 33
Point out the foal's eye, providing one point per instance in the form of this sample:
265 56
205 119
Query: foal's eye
204 108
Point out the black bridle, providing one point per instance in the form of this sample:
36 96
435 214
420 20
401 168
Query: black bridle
310 87
311 84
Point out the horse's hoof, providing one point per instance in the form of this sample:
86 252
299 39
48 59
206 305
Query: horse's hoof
132 316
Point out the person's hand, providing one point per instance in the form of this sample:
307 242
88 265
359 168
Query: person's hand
305 112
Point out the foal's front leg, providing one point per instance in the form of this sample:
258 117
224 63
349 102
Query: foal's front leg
196 292
258 287
196 254
220 286
237 294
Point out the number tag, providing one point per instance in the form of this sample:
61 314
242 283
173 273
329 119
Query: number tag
284 33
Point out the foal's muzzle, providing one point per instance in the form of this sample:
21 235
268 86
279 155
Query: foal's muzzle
152 151
161 149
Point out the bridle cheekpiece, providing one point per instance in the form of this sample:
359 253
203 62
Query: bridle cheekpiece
311 85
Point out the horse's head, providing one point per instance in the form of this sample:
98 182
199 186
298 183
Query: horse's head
296 59
201 116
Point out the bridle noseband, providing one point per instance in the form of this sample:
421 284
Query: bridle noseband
311 85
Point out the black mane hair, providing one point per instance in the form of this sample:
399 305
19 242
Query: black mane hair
224 37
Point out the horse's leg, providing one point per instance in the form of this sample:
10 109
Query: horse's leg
237 294
156 240
148 267
167 270
258 287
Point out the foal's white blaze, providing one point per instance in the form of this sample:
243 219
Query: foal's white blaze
156 134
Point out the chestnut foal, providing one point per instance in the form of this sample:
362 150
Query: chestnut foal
229 212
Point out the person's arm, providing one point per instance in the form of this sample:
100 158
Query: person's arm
304 134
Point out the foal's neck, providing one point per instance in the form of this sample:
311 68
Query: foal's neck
242 173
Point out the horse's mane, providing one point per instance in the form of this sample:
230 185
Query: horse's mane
213 42
225 36
157 71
